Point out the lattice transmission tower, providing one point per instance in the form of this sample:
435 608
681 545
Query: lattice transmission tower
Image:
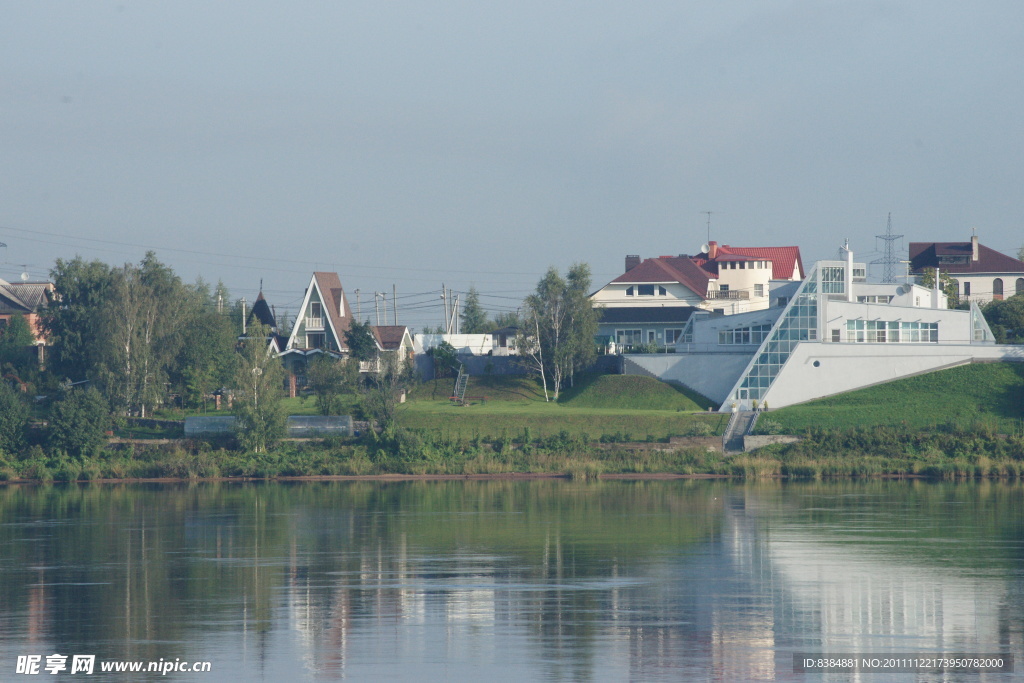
889 261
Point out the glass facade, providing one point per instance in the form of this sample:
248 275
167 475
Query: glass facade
799 323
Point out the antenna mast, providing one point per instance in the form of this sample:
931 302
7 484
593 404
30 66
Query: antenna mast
890 261
709 223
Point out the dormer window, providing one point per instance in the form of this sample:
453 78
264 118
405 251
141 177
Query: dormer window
662 291
645 290
629 291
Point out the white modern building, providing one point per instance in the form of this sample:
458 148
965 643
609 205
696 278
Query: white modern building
833 333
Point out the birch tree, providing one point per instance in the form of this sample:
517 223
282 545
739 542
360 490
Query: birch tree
259 380
563 326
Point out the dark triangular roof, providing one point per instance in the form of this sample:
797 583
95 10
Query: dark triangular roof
261 312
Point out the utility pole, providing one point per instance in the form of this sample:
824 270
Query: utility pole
394 301
243 316
444 299
359 310
384 298
376 307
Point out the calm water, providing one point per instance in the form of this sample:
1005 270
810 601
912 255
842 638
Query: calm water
501 580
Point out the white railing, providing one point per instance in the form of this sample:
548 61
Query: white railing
728 294
314 323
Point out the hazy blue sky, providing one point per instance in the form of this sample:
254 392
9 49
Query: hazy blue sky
417 143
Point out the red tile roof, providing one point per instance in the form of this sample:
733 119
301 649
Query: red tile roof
926 255
695 271
785 260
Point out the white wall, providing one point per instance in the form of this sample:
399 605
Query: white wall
845 367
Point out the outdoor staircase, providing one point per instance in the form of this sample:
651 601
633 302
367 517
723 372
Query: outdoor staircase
459 395
740 424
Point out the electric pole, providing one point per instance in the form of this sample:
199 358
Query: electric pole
889 261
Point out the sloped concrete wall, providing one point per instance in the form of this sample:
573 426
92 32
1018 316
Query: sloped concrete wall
709 374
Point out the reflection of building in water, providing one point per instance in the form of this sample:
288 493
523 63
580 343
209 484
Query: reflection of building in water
737 606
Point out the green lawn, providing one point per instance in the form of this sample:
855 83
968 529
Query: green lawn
987 392
634 408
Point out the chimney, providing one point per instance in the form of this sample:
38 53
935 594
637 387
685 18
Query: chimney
712 250
974 248
632 261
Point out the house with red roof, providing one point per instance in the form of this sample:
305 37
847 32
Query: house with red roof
654 298
982 274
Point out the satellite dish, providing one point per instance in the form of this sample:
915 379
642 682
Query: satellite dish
24 277
704 248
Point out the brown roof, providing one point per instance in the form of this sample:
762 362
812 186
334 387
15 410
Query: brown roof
679 269
926 255
389 337
334 300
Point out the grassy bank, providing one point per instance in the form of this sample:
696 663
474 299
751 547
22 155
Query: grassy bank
990 394
943 454
624 407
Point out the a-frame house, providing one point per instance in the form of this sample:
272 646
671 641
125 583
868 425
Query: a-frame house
323 319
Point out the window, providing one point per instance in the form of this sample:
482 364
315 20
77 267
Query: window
672 336
628 337
758 290
316 341
650 336
833 279
783 300
645 290
890 332
967 289
723 288
662 291
629 291
755 334
874 299
997 288
836 336
1020 285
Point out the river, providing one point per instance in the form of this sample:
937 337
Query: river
508 580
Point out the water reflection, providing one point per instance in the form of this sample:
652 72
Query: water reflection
536 580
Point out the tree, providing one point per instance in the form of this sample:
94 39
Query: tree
79 421
383 390
14 416
16 341
1020 254
146 314
360 341
259 377
1006 318
72 319
562 323
446 359
950 286
328 378
474 317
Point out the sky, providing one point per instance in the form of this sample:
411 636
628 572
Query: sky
408 145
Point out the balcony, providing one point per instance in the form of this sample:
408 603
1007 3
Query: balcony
728 294
314 323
